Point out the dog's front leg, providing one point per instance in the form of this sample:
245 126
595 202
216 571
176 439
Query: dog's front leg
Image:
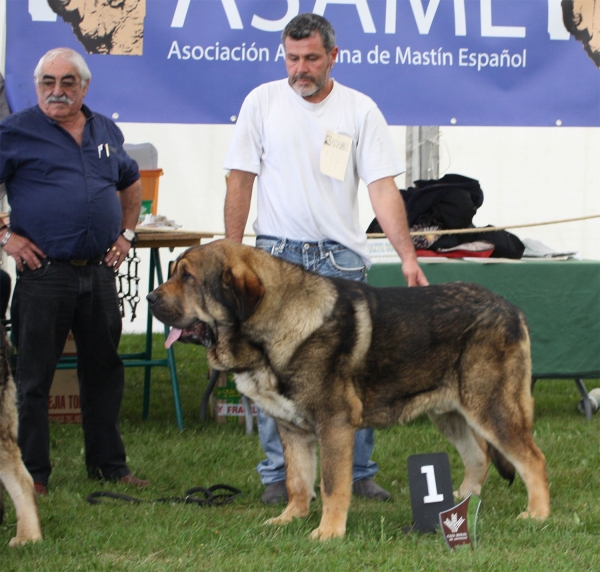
337 452
19 485
300 454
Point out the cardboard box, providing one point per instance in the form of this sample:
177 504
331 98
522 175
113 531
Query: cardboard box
63 402
70 348
226 402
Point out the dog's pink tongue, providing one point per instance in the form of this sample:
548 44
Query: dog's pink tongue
173 337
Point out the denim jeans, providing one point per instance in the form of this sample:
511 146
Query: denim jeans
327 258
47 303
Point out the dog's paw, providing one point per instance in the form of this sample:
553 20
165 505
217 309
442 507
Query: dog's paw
528 514
327 533
459 496
277 521
467 489
292 510
21 541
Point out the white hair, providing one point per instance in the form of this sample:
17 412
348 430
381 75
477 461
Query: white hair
67 54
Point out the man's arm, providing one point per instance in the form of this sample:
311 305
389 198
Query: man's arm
237 203
131 205
391 215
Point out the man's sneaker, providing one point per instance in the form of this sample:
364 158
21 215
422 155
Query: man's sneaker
274 493
369 489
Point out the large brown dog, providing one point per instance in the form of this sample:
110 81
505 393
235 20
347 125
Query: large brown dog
13 474
326 357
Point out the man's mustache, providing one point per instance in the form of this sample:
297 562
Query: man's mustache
303 76
59 99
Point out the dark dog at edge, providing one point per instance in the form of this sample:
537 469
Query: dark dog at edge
13 474
326 357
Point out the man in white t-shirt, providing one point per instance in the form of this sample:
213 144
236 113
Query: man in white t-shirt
308 140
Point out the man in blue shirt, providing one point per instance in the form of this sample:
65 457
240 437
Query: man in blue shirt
75 198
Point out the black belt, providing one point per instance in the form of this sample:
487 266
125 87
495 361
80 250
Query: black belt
96 261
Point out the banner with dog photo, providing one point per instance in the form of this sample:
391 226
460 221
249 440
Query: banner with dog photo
425 62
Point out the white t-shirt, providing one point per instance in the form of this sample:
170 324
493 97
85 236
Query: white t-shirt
279 136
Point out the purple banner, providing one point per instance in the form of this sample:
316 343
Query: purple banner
425 62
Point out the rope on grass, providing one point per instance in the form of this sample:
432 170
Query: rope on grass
208 498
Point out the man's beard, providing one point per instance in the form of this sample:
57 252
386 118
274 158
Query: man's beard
308 91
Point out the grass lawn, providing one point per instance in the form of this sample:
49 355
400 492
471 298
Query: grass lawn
115 536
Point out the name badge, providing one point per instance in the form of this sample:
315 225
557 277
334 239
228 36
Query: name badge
335 154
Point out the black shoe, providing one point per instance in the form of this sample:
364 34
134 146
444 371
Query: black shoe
274 493
369 489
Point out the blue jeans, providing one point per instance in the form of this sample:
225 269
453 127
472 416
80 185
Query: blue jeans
327 258
47 303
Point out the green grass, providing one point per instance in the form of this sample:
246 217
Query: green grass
117 536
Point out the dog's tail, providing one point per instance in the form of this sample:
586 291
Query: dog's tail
504 467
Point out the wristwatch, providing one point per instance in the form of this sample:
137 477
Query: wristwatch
128 234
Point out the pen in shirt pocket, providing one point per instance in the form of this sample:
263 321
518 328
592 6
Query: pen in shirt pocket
106 148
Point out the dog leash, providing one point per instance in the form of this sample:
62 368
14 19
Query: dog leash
210 496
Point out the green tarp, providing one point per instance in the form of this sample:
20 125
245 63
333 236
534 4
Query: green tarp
561 300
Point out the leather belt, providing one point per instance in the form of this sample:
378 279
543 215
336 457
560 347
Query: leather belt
96 261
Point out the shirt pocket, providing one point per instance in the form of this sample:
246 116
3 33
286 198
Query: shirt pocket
106 163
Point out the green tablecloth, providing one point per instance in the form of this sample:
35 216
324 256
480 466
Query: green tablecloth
561 300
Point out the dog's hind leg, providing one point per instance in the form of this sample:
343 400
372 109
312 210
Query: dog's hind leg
300 454
532 468
19 485
508 429
518 446
507 424
471 447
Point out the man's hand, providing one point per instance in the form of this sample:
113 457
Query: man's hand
24 252
414 274
117 252
391 214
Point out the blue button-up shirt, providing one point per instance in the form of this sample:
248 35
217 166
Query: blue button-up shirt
63 196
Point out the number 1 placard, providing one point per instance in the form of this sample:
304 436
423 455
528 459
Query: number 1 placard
430 485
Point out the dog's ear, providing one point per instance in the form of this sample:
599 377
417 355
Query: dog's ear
172 266
246 288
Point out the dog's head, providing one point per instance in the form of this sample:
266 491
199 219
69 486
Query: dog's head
213 289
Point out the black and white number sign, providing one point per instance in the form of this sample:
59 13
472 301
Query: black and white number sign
430 485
